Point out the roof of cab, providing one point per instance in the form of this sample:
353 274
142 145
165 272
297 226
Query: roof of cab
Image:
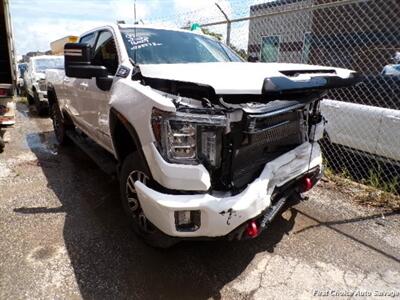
132 26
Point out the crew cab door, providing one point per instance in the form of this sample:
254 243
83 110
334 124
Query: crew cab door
73 91
95 92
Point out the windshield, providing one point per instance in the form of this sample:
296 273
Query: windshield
41 65
158 46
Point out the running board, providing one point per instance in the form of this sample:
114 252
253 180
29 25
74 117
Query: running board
100 156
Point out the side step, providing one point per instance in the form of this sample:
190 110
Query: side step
101 157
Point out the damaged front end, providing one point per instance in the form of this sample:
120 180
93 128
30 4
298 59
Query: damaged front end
258 149
234 141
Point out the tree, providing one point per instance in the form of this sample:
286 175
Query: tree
218 36
241 52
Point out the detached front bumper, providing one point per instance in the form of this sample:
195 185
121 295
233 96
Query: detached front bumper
221 214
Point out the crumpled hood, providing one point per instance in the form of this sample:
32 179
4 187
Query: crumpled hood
244 77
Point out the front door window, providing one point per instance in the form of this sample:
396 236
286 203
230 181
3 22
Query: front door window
105 53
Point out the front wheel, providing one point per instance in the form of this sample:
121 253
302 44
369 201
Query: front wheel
133 169
59 125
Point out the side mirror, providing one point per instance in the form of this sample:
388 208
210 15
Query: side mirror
77 62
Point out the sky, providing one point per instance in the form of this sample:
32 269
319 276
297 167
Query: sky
36 23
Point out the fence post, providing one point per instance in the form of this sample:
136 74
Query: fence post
228 25
228 33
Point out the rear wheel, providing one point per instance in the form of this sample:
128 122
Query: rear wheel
134 169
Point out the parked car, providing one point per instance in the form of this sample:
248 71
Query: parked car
391 70
204 144
35 79
369 125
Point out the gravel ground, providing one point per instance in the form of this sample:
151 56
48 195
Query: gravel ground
64 236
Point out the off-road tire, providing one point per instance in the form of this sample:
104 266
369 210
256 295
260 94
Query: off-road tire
59 125
133 164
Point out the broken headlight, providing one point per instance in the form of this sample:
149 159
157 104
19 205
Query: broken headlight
189 138
180 140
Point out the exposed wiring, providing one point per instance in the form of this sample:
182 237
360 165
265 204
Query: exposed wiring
312 147
314 124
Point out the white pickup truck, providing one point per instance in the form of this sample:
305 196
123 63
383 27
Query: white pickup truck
35 79
205 144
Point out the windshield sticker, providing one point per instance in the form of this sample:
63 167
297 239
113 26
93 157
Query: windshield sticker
138 42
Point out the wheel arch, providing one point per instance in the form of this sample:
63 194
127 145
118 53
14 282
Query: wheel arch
52 98
124 138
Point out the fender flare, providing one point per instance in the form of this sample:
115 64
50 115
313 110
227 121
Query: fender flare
52 98
115 117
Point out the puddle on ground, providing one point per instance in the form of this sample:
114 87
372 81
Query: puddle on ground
43 142
24 112
35 139
45 253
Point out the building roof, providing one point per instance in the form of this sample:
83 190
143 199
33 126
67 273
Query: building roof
273 4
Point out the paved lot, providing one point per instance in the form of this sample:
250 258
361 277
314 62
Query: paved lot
63 235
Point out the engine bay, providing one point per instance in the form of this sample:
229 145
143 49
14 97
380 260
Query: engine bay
234 140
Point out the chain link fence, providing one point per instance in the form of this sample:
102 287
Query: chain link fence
363 123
